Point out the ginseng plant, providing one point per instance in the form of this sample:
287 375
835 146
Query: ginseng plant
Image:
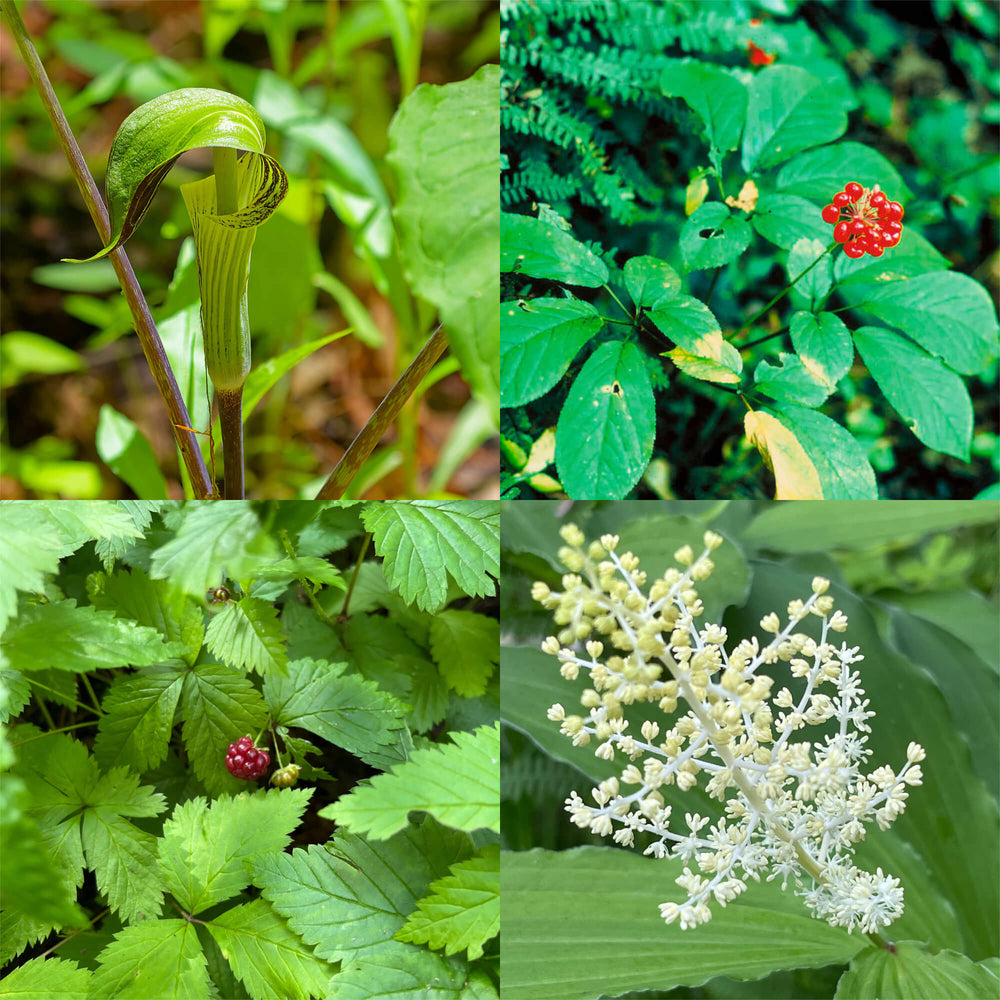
225 210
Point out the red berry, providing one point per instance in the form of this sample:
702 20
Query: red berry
842 200
858 227
892 226
861 242
875 249
831 213
890 239
893 211
853 250
244 760
854 190
842 232
877 199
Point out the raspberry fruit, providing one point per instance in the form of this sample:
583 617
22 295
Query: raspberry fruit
244 760
864 220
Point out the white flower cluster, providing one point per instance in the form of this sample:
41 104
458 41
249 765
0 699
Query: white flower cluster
792 807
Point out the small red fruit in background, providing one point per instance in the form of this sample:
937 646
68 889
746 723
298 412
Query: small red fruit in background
758 57
244 760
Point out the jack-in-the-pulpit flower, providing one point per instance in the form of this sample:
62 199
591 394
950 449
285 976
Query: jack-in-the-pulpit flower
792 806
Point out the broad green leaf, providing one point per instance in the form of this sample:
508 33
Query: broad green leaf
156 958
909 973
347 898
706 369
204 844
841 462
247 634
931 399
465 646
42 978
458 783
823 344
185 346
604 438
266 956
62 636
544 250
538 342
818 174
463 910
785 219
718 97
558 908
129 455
23 354
795 475
422 542
854 526
350 712
30 549
691 325
788 110
814 276
439 136
713 237
792 382
949 315
650 281
157 132
79 522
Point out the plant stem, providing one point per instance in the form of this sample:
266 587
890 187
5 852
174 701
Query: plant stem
226 185
152 346
363 445
231 424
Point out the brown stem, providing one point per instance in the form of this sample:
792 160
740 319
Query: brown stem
364 444
231 425
152 346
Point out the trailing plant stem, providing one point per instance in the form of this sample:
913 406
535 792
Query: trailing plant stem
152 346
231 424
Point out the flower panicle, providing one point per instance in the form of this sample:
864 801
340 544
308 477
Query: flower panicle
792 807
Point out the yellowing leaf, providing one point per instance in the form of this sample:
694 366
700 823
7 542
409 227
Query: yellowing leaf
747 201
795 476
705 369
697 192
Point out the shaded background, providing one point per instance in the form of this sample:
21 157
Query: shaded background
312 273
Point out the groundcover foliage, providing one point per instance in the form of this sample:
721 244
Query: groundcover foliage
677 308
140 640
918 583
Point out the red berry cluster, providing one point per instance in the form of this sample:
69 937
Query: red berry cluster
864 220
245 761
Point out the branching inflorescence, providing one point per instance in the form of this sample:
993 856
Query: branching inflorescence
793 807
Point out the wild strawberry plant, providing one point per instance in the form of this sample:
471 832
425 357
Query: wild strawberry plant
756 762
189 689
703 271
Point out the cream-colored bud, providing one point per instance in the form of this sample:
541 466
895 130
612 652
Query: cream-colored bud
572 535
684 555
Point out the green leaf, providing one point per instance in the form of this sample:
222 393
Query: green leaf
819 173
788 110
932 400
544 250
785 219
713 237
205 844
247 634
650 281
558 908
350 712
347 898
465 646
421 542
129 455
157 132
841 463
459 784
213 541
438 136
30 549
604 438
813 281
690 324
855 527
538 341
463 909
65 637
24 354
909 973
266 956
719 98
157 958
823 344
42 978
791 383
705 369
949 315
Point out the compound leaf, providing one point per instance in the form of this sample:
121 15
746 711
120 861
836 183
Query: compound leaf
465 646
247 634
